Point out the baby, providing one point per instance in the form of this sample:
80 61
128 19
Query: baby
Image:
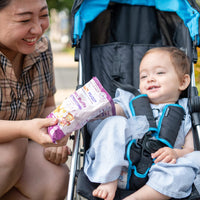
164 75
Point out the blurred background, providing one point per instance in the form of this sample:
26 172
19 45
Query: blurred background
60 21
59 33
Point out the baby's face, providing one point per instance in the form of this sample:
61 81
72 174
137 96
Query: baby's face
158 78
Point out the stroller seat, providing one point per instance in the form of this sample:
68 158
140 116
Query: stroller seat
85 188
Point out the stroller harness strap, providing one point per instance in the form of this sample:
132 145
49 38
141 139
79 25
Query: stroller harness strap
138 152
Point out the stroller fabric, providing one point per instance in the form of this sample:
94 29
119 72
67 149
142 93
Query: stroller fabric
138 152
89 10
111 37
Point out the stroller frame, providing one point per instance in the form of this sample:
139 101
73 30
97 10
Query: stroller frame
87 34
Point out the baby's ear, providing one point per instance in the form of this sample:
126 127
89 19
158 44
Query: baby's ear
185 82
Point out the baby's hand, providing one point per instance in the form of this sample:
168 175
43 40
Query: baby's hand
165 154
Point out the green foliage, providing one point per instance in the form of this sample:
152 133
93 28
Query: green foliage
198 2
197 71
60 4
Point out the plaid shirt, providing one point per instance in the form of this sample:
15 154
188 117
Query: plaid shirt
26 98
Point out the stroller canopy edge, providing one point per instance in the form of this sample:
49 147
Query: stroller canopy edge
89 10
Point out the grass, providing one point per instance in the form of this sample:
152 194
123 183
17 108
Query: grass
69 50
197 71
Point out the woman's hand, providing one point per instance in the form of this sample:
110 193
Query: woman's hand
166 155
36 129
57 155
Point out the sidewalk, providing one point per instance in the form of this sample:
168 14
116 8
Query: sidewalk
62 59
64 62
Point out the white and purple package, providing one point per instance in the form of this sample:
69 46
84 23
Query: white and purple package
86 103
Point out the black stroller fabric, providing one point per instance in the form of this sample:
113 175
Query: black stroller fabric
85 188
115 51
111 48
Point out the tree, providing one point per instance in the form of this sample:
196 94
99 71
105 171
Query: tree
198 2
60 4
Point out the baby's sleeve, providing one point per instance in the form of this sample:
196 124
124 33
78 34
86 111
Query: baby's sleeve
185 126
187 120
123 98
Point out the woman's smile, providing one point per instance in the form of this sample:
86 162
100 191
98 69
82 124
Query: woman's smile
30 41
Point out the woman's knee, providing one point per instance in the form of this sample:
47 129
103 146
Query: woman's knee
13 155
49 180
11 163
61 179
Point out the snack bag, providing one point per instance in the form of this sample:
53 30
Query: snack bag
88 102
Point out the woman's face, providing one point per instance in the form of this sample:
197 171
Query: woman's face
22 23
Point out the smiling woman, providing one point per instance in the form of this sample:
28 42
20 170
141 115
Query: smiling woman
29 22
27 88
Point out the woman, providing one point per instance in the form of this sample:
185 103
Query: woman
27 90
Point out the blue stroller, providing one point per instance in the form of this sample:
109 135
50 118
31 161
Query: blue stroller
110 38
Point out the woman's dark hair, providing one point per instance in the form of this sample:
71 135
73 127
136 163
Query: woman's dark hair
4 3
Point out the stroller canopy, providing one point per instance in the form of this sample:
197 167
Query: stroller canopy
86 11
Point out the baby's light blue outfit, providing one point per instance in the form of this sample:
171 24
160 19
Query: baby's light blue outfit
105 160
